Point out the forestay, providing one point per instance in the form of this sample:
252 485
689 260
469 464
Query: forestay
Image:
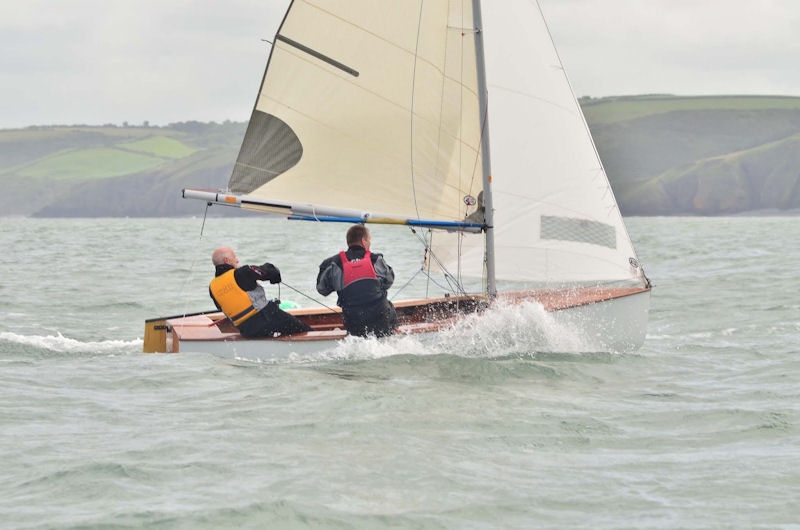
368 105
555 216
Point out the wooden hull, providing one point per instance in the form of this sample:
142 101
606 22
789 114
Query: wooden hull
587 319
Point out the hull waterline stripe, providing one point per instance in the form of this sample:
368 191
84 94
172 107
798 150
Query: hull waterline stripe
321 57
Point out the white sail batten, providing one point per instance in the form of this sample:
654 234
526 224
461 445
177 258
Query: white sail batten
555 216
368 105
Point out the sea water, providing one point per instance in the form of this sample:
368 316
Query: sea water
698 429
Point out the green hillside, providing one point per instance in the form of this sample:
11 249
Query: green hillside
23 146
160 146
88 164
648 140
765 177
664 155
111 171
613 109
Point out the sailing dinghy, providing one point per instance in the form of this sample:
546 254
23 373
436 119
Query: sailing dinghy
380 113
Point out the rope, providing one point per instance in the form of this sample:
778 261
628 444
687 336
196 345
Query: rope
447 275
203 226
310 298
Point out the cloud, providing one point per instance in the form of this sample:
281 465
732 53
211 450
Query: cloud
687 47
94 61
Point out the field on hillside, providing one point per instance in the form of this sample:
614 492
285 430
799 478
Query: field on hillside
664 155
614 109
88 164
160 146
113 170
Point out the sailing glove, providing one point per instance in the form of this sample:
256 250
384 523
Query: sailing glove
270 272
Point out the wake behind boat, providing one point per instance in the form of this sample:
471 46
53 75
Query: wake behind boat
378 113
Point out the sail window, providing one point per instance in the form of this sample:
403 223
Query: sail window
270 147
580 230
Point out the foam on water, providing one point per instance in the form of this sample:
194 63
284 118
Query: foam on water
61 344
507 329
699 429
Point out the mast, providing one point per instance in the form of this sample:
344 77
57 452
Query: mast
491 288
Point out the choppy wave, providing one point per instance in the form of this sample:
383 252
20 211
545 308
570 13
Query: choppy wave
61 344
695 430
505 330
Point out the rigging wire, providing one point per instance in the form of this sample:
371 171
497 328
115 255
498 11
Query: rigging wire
447 275
426 261
408 282
440 286
194 261
535 4
309 297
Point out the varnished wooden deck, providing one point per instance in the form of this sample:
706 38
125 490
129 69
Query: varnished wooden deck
415 316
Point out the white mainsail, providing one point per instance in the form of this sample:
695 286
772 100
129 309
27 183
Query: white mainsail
374 107
376 111
555 216
368 105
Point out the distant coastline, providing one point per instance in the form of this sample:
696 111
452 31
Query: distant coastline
664 155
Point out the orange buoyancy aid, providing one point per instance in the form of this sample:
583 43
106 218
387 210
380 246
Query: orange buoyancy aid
234 301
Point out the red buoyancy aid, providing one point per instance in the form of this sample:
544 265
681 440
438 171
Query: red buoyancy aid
357 270
361 284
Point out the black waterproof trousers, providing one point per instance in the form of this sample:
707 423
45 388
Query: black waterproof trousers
377 319
271 320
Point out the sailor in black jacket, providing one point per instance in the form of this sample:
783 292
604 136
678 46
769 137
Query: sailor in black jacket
236 292
361 280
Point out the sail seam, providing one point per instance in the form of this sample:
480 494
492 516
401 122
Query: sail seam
532 96
437 166
365 30
468 146
585 125
368 91
560 207
411 118
256 168
383 39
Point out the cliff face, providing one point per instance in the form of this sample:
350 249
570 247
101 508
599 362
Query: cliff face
765 177
664 155
701 161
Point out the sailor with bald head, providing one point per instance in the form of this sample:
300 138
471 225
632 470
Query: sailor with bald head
236 292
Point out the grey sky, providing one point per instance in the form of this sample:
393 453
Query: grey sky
100 61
